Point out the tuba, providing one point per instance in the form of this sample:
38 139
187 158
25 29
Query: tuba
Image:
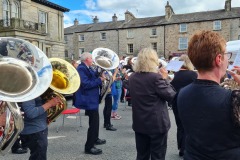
25 74
105 60
65 80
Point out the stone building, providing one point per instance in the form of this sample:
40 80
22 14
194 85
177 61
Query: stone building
167 34
37 21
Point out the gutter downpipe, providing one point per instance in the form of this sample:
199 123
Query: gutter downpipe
164 41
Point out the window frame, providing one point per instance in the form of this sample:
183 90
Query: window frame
181 43
130 33
40 13
130 48
154 46
217 27
82 51
66 38
15 10
81 38
6 13
154 32
182 28
103 36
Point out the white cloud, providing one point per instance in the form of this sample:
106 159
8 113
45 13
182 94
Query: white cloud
90 4
104 9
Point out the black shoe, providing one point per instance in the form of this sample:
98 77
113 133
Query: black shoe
122 101
110 128
19 151
100 141
105 125
94 151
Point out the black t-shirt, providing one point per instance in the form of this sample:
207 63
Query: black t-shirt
183 78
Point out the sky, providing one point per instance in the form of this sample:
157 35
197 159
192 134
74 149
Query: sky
86 10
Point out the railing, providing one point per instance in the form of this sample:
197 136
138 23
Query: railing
20 24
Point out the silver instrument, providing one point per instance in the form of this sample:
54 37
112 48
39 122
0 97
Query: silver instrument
25 74
106 60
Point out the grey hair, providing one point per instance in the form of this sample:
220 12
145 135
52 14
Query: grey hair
187 62
85 55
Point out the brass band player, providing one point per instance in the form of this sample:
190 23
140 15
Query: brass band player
87 97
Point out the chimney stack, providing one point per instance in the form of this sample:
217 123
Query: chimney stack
75 22
95 19
168 11
129 16
114 18
227 5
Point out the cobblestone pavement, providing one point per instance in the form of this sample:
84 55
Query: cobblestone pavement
68 143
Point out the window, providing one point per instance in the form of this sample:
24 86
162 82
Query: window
154 32
130 34
81 50
154 46
66 53
238 37
15 10
42 18
81 37
130 48
6 13
183 28
183 43
103 36
217 25
65 38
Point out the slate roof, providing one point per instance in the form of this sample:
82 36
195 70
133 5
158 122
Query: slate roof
156 21
51 5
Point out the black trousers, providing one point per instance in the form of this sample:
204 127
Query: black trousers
93 130
107 110
180 130
37 143
17 143
122 95
151 145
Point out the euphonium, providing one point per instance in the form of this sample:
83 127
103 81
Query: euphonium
13 126
106 60
229 83
65 80
24 75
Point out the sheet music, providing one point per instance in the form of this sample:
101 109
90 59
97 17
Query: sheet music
234 47
174 65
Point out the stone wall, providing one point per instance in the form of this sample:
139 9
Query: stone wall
52 41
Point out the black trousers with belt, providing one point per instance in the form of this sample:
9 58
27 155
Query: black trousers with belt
93 130
154 145
107 110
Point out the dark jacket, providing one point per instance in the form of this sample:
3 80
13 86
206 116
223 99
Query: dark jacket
149 92
87 96
206 113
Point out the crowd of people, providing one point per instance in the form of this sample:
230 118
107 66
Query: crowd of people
206 114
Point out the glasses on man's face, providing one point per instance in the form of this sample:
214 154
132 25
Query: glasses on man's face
229 55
